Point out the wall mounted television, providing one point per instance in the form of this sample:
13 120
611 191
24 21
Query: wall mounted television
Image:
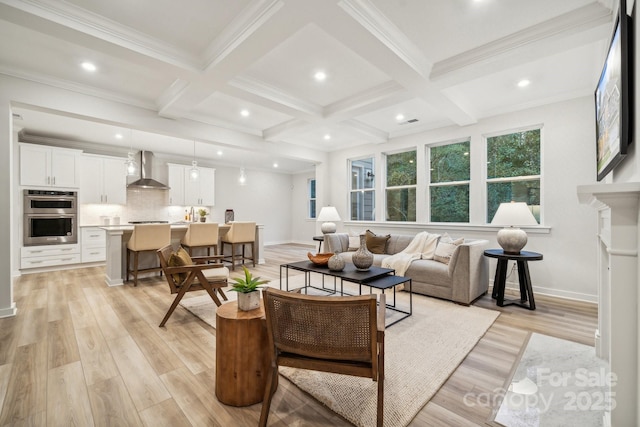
613 97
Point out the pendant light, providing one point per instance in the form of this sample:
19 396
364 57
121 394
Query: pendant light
131 164
194 173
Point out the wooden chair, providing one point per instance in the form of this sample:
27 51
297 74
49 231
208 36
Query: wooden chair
344 335
195 274
146 238
201 235
240 233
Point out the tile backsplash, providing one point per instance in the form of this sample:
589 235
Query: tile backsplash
142 205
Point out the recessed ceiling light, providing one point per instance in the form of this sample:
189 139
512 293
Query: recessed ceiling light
320 76
400 117
118 136
327 137
219 153
88 66
275 165
244 113
524 83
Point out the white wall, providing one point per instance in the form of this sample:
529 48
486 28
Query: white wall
568 244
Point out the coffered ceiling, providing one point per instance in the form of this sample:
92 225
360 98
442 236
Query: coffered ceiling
435 62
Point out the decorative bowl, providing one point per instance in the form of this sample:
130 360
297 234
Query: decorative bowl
319 259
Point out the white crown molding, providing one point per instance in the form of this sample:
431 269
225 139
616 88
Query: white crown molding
576 21
222 124
272 93
76 87
82 20
280 131
387 90
374 135
171 94
246 23
374 21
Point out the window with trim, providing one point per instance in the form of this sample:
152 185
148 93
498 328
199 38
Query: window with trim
513 170
400 188
450 175
362 193
311 206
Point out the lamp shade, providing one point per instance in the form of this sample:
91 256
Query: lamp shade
511 215
328 214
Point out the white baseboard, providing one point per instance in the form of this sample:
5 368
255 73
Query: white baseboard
9 311
540 290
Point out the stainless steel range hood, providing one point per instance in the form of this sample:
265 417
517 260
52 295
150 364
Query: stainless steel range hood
145 160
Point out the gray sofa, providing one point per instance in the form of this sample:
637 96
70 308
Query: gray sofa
463 280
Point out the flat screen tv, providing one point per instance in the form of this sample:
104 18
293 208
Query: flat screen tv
613 97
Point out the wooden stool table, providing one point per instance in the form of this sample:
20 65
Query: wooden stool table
242 355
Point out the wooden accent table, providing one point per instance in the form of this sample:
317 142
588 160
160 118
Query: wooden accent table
526 291
242 355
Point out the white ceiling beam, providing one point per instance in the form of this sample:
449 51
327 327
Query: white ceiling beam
71 16
256 42
547 38
372 134
382 44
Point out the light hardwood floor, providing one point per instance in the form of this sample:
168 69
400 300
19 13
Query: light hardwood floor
81 353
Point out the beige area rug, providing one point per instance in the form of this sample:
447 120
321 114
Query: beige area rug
421 352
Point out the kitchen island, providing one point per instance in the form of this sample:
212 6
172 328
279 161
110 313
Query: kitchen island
118 236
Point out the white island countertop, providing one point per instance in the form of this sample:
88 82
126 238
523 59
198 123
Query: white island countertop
118 236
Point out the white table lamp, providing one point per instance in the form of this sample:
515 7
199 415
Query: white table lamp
511 215
328 215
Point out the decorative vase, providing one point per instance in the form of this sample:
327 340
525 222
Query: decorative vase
248 301
336 263
362 258
203 219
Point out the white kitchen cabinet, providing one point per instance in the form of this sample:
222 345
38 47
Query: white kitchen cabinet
103 180
185 192
44 166
176 184
93 241
49 255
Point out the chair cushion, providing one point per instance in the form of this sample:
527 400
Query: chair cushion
376 244
216 274
180 258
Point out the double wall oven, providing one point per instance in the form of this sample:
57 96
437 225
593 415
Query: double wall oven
50 217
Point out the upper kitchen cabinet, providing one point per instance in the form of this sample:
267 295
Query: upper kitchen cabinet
185 192
44 166
103 180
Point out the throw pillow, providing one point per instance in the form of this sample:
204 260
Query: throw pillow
180 258
446 247
354 243
376 244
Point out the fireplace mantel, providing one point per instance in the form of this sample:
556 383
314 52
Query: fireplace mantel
618 297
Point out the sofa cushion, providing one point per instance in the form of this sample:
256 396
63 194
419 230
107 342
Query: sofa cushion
376 244
354 243
429 271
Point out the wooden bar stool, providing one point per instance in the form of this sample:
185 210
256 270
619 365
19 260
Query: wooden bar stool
201 235
240 233
146 238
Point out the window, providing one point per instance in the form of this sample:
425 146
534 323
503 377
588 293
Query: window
401 186
449 182
362 192
513 170
312 198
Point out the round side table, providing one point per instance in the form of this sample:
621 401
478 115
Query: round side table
242 355
526 291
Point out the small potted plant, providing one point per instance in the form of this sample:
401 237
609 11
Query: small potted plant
203 213
247 288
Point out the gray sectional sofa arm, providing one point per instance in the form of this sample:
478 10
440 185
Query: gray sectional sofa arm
465 278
